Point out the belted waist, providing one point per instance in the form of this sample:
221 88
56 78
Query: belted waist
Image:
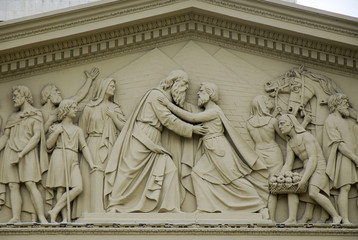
212 135
95 134
59 147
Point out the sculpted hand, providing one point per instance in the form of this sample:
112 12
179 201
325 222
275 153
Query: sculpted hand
19 157
59 130
93 74
200 129
110 112
96 168
164 101
301 185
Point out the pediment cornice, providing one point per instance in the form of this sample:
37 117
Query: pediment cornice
115 28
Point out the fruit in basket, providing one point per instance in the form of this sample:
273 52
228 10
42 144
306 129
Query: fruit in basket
273 179
280 179
296 179
288 180
288 174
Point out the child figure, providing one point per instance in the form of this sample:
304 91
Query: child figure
66 139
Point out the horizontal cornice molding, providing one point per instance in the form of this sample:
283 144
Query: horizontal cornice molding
187 24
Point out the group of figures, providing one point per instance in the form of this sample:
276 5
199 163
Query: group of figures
169 150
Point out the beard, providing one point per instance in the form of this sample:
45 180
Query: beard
203 100
178 92
344 111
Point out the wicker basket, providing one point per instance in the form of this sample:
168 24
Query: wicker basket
284 188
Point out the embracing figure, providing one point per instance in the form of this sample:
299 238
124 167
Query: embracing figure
223 161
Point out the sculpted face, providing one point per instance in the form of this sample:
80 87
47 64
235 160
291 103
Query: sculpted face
285 125
18 99
72 111
343 108
111 88
203 97
55 96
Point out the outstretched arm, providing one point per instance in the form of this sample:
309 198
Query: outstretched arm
188 116
81 94
290 157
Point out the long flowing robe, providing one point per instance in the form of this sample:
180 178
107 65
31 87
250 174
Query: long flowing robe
140 175
219 174
100 133
269 152
340 169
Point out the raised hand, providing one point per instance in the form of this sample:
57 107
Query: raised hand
93 74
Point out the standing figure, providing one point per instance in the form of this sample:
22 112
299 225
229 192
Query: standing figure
140 174
101 122
262 127
305 146
223 159
51 97
64 174
22 163
340 148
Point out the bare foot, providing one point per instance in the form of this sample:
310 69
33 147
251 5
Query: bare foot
14 220
53 216
289 221
265 213
43 219
305 219
346 221
337 220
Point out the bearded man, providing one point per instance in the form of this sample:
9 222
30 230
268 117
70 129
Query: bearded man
51 98
22 163
224 162
340 147
141 175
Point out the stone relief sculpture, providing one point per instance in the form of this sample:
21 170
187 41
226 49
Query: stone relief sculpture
140 174
340 147
64 174
219 173
305 146
101 121
22 163
308 95
262 127
137 166
51 97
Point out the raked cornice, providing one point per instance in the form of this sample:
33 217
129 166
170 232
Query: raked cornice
121 27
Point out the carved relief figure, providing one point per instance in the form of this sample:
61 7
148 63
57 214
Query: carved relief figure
219 173
51 97
305 146
262 127
140 175
64 174
101 121
22 163
340 148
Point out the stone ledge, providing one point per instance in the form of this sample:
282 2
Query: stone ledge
170 231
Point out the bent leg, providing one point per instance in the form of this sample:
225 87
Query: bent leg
324 202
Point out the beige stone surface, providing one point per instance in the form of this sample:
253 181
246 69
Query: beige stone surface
238 45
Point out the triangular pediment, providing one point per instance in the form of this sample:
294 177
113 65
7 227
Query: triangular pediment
108 28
